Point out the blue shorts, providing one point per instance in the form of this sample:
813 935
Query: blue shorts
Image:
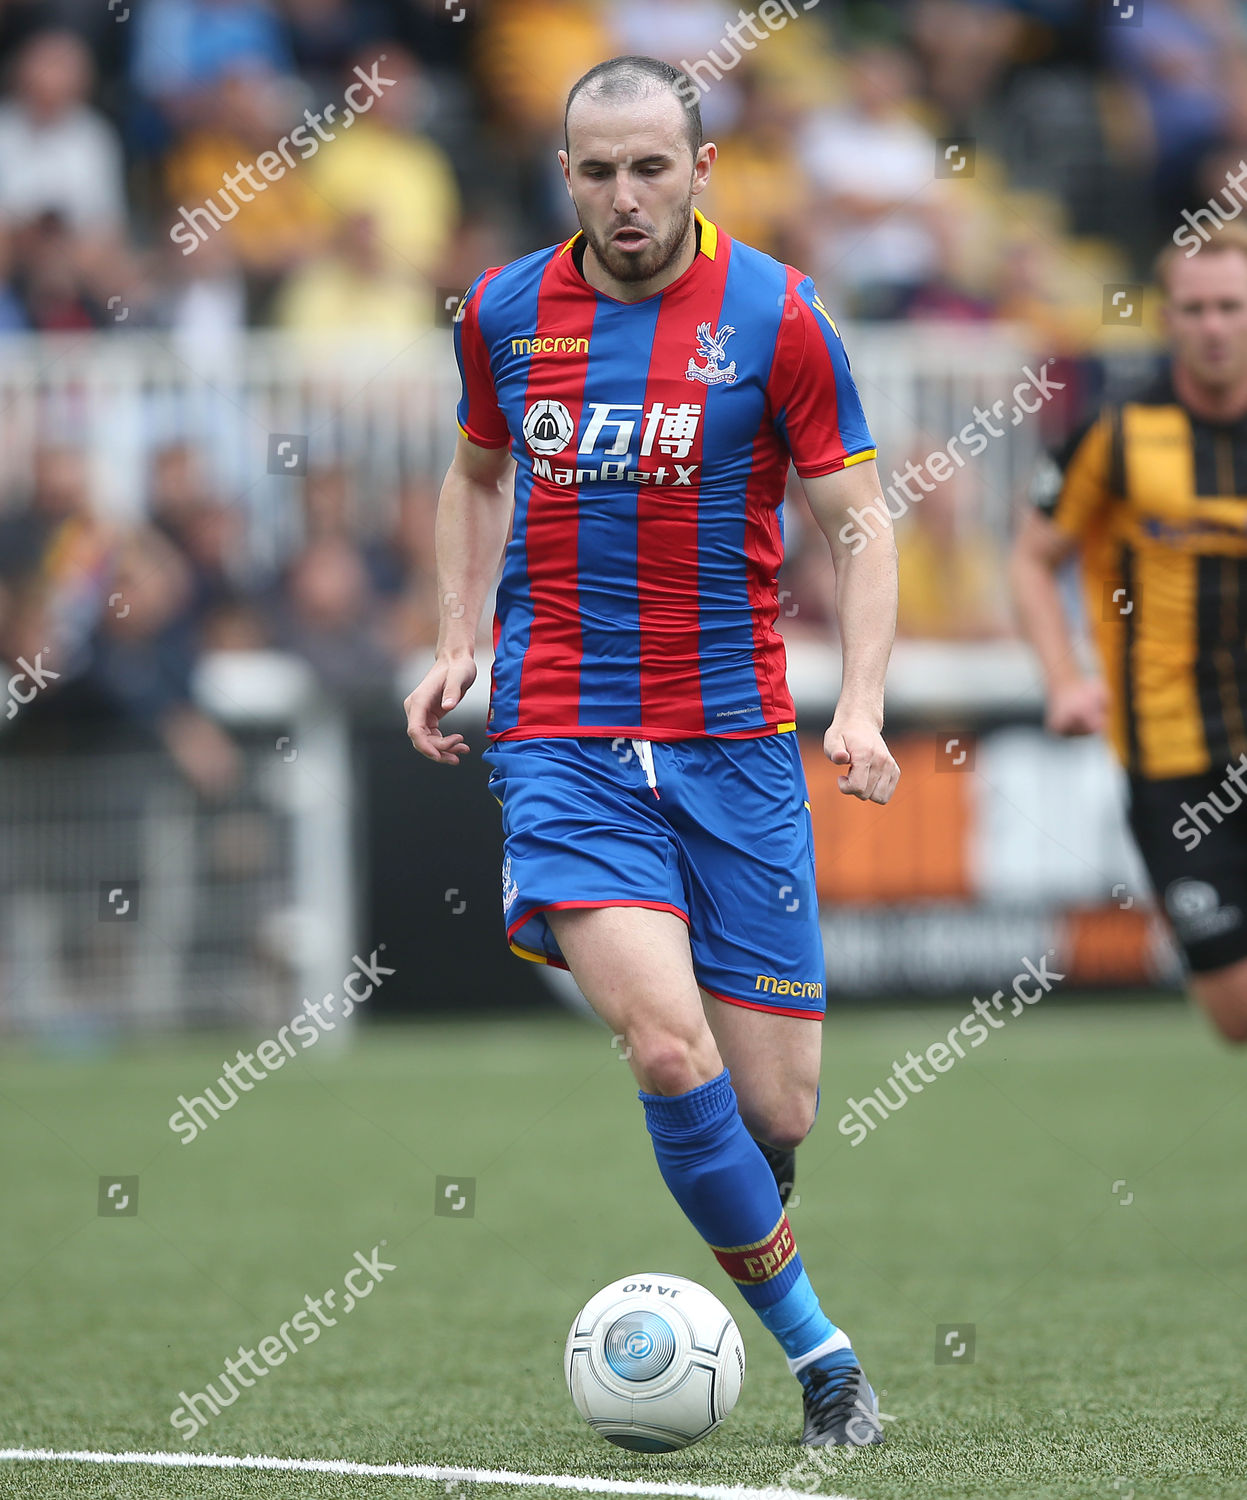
715 830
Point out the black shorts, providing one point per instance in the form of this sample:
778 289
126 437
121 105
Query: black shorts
1192 834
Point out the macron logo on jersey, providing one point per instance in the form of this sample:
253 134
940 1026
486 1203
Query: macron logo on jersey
550 346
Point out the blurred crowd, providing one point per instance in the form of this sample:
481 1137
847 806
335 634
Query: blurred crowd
105 622
1068 142
196 168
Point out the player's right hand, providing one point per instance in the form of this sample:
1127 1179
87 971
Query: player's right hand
1079 706
443 687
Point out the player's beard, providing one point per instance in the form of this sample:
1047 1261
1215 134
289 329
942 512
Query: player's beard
653 260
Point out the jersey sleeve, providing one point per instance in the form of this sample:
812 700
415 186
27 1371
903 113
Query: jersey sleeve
811 388
1073 485
479 416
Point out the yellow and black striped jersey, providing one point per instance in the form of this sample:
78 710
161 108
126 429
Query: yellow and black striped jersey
1157 499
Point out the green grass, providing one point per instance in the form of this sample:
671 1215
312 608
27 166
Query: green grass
1111 1336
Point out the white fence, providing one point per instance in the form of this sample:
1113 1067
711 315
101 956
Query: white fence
128 901
387 410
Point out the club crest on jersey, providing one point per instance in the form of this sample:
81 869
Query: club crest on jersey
711 346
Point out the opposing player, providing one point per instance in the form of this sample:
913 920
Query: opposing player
1151 496
653 379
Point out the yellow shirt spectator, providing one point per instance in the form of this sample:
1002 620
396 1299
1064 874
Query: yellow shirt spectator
404 183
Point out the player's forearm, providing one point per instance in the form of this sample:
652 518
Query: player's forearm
1042 619
849 509
866 604
470 534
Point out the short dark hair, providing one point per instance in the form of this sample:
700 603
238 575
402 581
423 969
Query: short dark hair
1228 237
635 78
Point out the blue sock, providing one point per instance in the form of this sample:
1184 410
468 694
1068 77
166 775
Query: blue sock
720 1179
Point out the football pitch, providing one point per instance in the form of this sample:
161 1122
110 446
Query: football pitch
1042 1260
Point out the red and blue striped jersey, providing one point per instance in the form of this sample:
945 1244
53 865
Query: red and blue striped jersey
652 441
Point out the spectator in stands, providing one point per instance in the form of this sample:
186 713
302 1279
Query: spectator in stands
1179 65
966 47
871 164
13 317
285 221
48 278
26 629
235 623
330 503
56 543
951 571
355 288
112 615
326 613
183 49
207 533
528 54
143 654
201 298
758 191
403 571
385 169
60 155
322 32
405 552
1037 288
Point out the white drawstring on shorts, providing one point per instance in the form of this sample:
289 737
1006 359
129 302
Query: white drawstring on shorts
645 754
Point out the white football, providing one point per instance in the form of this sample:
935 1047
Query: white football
654 1362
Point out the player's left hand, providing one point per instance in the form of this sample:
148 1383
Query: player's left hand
858 744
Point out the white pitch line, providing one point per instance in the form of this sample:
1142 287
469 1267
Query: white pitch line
438 1472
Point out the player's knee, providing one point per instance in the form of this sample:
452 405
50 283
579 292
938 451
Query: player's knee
788 1133
667 1063
785 1125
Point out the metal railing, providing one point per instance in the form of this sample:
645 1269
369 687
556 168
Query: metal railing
386 409
128 900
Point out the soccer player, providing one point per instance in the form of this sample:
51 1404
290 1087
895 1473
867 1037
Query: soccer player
652 379
1151 496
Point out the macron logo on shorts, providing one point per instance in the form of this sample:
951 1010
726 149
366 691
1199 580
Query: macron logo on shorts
771 985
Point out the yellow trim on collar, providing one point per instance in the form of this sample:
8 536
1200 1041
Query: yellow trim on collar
709 234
